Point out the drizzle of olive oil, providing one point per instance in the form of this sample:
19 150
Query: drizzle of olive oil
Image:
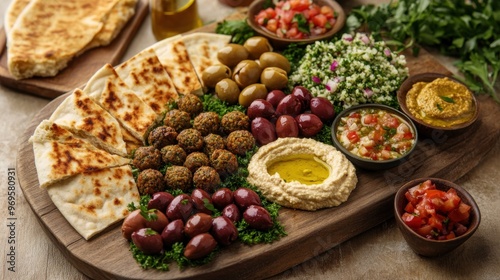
305 168
172 17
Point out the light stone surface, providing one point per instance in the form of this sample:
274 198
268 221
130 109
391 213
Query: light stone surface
378 253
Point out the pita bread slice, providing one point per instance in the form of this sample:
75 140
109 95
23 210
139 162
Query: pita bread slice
147 77
175 58
59 154
93 201
12 13
131 143
111 93
85 118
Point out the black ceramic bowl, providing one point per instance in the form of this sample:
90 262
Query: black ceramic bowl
368 163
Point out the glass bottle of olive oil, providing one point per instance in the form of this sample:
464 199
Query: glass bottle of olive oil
172 17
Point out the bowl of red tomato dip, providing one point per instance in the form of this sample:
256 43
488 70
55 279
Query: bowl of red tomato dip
374 136
435 216
295 21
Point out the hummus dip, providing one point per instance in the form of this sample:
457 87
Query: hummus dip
302 173
442 102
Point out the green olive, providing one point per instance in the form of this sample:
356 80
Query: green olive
232 54
274 78
214 73
227 90
252 92
257 45
247 72
272 59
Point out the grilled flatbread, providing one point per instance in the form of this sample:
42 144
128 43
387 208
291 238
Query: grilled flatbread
85 118
111 93
59 154
93 201
174 57
147 77
12 13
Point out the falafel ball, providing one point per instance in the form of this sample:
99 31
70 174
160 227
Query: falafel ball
224 162
207 122
235 120
240 141
150 181
173 155
178 177
206 178
190 140
190 103
162 136
212 142
147 157
177 119
196 160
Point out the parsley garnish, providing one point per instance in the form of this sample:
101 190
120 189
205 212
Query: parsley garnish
447 99
303 25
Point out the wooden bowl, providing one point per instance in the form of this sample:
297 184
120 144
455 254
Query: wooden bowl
428 247
425 128
280 43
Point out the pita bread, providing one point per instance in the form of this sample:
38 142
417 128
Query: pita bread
111 93
85 118
59 154
131 143
147 77
175 58
72 24
93 201
12 13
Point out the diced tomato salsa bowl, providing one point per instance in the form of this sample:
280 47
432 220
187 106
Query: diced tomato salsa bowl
435 216
296 21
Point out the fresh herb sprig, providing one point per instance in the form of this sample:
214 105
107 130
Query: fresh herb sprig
239 30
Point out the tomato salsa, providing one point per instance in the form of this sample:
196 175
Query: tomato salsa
435 214
297 19
375 134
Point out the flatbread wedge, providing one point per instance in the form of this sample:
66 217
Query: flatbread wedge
59 154
12 13
82 116
93 201
147 77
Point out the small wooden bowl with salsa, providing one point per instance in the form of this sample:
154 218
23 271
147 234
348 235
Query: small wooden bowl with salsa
300 21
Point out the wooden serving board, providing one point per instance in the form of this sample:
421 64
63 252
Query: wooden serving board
81 68
107 255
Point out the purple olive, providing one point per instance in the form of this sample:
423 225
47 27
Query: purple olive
322 108
258 217
244 197
260 108
173 233
148 241
198 223
289 105
222 197
274 97
180 208
263 131
200 199
200 246
286 126
309 124
160 201
304 96
158 220
224 231
232 212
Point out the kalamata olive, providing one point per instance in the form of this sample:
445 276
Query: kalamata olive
227 90
214 74
304 96
260 108
286 126
180 208
223 230
263 131
160 201
258 217
158 221
200 246
322 108
244 197
198 223
256 46
289 105
148 241
173 233
309 124
222 197
274 78
272 59
133 222
200 200
232 54
250 93
274 97
247 72
232 212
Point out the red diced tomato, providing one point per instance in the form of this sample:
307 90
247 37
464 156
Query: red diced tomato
409 207
270 12
370 119
412 220
327 11
353 136
425 230
460 214
272 25
319 20
299 5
